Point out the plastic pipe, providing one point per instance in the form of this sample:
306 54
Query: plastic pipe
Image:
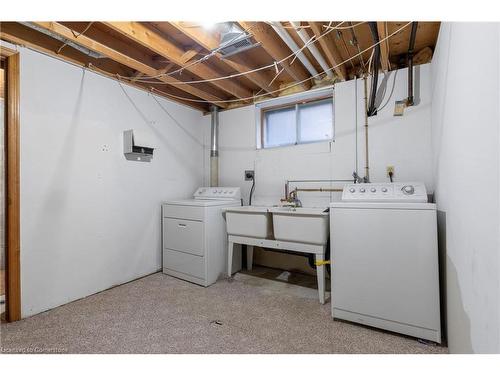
312 48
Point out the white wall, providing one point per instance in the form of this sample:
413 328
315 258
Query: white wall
89 218
400 141
465 130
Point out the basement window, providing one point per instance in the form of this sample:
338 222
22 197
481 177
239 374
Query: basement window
296 122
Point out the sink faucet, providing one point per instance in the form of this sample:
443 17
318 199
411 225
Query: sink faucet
292 200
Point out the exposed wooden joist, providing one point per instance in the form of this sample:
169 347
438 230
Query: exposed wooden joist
18 34
327 43
155 42
96 32
124 56
139 75
189 55
127 61
209 42
384 46
278 50
423 56
21 35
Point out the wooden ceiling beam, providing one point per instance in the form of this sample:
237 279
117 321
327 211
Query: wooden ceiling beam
95 32
189 55
384 46
156 42
330 49
278 50
210 42
139 75
16 33
127 61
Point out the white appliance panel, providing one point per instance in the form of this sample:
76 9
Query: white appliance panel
385 192
194 235
385 263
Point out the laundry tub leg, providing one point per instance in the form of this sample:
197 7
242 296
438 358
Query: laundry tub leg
249 257
320 272
230 247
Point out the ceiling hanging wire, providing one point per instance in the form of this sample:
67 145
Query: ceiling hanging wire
340 36
76 35
292 55
355 42
324 26
289 86
65 41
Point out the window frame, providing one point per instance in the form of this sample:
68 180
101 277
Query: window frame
294 101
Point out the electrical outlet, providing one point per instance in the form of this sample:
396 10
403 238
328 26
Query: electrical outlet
399 107
249 175
390 169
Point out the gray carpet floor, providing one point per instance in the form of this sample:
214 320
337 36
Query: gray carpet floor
161 314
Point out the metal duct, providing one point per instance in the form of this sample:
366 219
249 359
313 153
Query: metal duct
66 41
413 35
294 47
312 48
233 40
214 147
372 110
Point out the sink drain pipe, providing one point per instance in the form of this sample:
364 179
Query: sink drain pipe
214 146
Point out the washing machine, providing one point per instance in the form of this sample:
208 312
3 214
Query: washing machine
385 259
194 235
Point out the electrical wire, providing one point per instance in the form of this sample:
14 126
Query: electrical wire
293 54
76 35
289 86
325 26
203 59
344 27
251 191
175 120
191 64
356 43
382 106
340 35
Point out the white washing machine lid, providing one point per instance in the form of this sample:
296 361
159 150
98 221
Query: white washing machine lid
203 202
385 205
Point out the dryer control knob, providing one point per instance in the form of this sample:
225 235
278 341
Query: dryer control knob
384 190
408 189
373 190
352 190
362 190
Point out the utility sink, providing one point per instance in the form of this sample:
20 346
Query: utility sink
301 224
249 221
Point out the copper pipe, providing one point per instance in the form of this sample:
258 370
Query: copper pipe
318 189
287 184
367 167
